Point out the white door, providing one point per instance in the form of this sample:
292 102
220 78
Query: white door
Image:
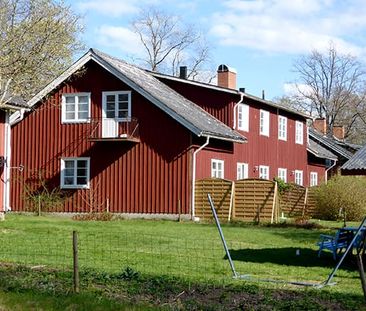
109 116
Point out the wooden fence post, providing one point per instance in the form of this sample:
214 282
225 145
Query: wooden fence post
274 201
75 260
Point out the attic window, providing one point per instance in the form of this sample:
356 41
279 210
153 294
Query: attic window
75 107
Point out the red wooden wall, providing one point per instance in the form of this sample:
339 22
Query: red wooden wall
2 153
260 150
147 177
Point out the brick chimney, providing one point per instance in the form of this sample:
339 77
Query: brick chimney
338 132
320 125
226 77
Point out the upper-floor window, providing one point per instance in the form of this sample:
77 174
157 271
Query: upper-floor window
117 105
243 117
264 122
282 174
313 179
75 107
217 168
299 132
264 172
75 173
242 171
298 177
282 128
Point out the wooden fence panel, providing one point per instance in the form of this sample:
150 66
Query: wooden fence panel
220 191
311 202
292 202
254 200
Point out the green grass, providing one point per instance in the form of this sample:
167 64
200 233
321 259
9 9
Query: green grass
186 250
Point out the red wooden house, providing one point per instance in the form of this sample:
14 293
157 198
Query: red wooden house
9 106
115 136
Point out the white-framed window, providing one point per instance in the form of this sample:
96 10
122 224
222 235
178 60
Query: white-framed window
313 179
117 105
217 168
264 122
75 173
263 171
299 132
75 108
243 117
242 170
282 174
282 128
298 177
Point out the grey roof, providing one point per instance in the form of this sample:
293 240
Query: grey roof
187 113
233 91
319 151
330 144
14 103
357 162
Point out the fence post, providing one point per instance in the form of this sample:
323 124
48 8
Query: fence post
75 260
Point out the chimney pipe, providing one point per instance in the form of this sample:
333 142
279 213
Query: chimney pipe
263 95
226 77
183 72
320 125
242 89
338 132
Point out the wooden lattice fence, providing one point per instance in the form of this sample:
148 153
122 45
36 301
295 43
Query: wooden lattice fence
221 194
254 200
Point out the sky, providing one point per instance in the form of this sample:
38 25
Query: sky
261 39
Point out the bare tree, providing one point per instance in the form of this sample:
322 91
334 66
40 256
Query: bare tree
170 43
38 40
331 85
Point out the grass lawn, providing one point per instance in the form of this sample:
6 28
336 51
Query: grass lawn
184 250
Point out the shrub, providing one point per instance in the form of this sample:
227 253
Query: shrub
341 194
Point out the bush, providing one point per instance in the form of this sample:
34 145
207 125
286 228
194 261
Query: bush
341 194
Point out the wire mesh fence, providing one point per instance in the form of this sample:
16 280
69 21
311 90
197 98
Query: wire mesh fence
149 254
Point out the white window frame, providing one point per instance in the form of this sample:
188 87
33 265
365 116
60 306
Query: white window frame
264 122
216 171
242 170
299 180
75 176
264 172
116 93
243 117
282 128
282 174
299 132
313 179
76 119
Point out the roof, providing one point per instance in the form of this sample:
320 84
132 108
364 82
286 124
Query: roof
357 162
187 113
14 103
330 144
319 151
232 91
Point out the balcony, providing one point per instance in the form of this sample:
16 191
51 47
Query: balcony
111 129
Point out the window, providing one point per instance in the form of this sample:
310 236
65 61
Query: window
242 171
298 177
217 168
282 128
75 172
75 107
117 105
313 179
282 174
299 136
243 117
264 123
264 172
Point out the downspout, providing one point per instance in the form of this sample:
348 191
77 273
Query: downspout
326 171
236 107
194 176
7 164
